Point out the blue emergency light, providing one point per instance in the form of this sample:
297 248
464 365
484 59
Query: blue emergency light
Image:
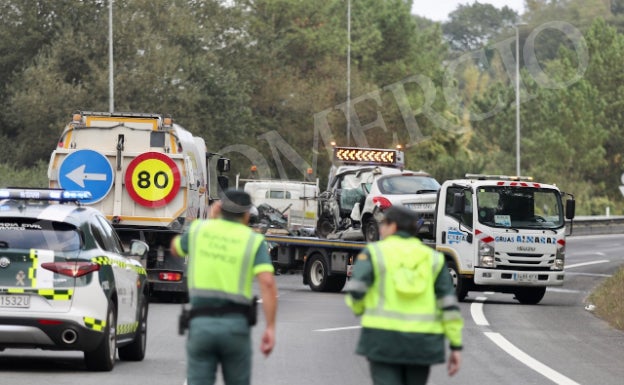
40 194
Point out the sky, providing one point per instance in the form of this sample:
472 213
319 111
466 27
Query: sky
438 10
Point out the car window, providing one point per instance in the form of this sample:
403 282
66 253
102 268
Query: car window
466 218
407 184
32 233
111 236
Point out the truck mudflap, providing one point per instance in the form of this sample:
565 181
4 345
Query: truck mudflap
494 277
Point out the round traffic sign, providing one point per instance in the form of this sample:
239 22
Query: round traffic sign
152 179
87 170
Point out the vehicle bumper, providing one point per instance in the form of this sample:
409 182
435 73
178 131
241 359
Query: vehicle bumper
47 333
494 277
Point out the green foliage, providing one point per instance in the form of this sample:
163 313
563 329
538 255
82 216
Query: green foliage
35 176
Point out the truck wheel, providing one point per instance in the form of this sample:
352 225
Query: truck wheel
317 271
135 351
530 295
324 227
336 283
102 358
461 288
371 230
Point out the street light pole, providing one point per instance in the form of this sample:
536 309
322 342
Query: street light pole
516 27
348 72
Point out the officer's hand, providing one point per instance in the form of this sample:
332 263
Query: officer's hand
268 341
454 362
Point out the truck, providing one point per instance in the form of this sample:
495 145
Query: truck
497 233
148 175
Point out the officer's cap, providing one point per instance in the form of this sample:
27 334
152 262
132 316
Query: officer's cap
235 201
404 218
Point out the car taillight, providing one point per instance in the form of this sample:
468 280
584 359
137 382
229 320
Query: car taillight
71 269
170 276
382 202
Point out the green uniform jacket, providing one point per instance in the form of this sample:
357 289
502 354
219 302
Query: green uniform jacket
393 339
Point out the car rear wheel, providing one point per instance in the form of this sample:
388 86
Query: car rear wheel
135 351
102 358
371 230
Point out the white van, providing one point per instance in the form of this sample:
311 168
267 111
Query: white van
297 200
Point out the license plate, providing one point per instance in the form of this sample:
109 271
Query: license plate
526 277
421 206
15 301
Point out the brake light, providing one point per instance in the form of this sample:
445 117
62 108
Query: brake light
168 276
381 202
71 269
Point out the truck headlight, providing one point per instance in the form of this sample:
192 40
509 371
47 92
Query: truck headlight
486 255
559 259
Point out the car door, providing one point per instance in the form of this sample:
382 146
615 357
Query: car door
125 274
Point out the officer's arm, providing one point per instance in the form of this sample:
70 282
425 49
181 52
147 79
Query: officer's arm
179 245
361 279
447 302
263 270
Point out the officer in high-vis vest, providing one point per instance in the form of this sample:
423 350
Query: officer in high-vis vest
404 294
224 257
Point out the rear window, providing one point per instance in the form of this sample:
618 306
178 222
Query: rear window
31 233
408 184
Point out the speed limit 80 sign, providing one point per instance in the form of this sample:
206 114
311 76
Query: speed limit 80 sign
152 179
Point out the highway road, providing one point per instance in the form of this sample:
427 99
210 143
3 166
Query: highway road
555 342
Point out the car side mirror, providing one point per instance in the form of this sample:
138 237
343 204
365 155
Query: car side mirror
138 248
570 208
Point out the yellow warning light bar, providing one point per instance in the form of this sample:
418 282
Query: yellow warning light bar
370 156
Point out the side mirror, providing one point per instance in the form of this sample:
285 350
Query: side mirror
570 208
138 248
223 165
459 203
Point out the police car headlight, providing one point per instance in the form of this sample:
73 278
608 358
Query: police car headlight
486 255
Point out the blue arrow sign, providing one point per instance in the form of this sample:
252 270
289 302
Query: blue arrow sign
87 170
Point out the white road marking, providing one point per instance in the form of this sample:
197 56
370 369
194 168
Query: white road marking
476 310
587 263
529 361
338 329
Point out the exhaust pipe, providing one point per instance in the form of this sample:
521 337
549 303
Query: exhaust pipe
69 336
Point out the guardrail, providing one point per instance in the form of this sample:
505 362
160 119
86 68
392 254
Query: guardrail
594 225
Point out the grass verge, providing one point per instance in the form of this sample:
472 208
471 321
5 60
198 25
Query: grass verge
607 299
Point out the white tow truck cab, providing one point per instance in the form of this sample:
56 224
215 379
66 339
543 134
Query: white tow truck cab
504 234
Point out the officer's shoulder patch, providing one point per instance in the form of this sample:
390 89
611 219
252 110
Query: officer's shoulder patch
362 257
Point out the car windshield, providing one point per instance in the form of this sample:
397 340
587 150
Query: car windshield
31 233
519 207
408 184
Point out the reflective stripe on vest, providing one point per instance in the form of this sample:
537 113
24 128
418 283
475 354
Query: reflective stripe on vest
227 253
381 312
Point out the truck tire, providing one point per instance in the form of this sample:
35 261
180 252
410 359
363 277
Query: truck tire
530 295
102 358
336 283
371 230
317 273
461 287
135 351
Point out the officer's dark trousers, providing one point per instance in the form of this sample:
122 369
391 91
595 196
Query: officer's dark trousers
396 374
223 340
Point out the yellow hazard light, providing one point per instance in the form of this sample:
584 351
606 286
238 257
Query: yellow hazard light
371 156
309 170
167 122
254 168
76 118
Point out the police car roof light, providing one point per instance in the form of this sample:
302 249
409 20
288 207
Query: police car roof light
40 194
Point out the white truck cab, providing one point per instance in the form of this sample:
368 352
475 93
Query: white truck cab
504 234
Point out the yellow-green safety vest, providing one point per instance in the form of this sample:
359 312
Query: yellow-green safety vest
402 297
221 262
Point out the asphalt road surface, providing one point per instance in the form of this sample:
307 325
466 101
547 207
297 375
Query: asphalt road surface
555 342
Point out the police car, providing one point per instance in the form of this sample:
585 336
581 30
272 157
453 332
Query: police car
66 281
